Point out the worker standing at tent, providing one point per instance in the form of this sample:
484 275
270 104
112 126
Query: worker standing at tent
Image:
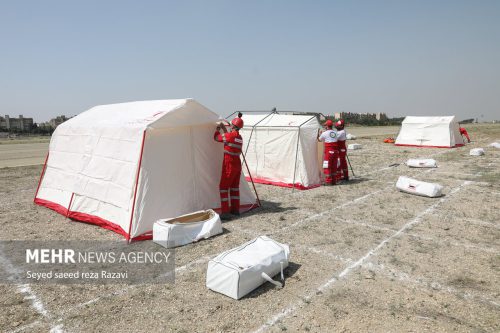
463 132
331 152
229 185
342 137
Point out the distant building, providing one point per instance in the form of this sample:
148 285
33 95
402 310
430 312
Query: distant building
54 122
349 115
21 123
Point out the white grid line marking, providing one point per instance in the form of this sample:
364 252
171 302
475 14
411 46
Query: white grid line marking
287 311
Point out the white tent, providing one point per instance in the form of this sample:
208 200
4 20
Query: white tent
124 166
439 132
281 149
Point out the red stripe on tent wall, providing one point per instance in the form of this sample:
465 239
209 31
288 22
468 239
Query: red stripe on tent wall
92 219
82 217
41 176
407 145
136 184
281 184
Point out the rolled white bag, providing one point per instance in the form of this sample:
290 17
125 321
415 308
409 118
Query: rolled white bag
350 136
422 163
495 145
354 146
476 152
187 228
418 187
238 271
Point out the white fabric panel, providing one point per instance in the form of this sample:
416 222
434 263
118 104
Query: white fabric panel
271 151
310 171
413 186
104 210
180 174
429 131
60 197
238 271
169 235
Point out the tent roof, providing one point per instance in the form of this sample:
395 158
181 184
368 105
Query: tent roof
279 120
142 114
429 120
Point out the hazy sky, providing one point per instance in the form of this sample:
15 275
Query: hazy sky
399 57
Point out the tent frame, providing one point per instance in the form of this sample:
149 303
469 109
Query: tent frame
270 113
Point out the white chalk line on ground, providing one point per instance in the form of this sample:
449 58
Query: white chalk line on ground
287 311
427 238
29 294
329 211
64 314
427 284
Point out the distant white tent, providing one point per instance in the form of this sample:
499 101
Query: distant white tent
124 166
438 132
281 149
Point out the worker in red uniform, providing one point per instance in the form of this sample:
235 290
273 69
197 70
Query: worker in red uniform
331 152
342 137
463 132
229 185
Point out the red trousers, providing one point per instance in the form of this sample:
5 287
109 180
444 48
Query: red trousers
343 162
229 185
331 156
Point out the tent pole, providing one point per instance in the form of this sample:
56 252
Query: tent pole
296 156
251 179
348 160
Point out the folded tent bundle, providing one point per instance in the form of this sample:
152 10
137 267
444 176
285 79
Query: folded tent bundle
187 228
422 163
476 152
413 186
238 271
354 146
495 145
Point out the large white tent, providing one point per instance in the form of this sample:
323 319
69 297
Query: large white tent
282 149
439 132
124 166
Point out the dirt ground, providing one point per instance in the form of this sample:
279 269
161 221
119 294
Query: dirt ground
364 256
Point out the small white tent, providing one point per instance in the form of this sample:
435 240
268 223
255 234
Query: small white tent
281 149
124 166
438 132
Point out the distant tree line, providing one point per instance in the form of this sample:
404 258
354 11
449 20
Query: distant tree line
34 130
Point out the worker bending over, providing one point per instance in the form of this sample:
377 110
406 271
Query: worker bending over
463 132
229 186
342 137
331 152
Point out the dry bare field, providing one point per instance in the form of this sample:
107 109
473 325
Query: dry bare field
364 256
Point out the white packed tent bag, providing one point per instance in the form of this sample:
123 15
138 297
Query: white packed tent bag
354 146
238 271
495 144
476 152
350 136
422 163
418 187
187 228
